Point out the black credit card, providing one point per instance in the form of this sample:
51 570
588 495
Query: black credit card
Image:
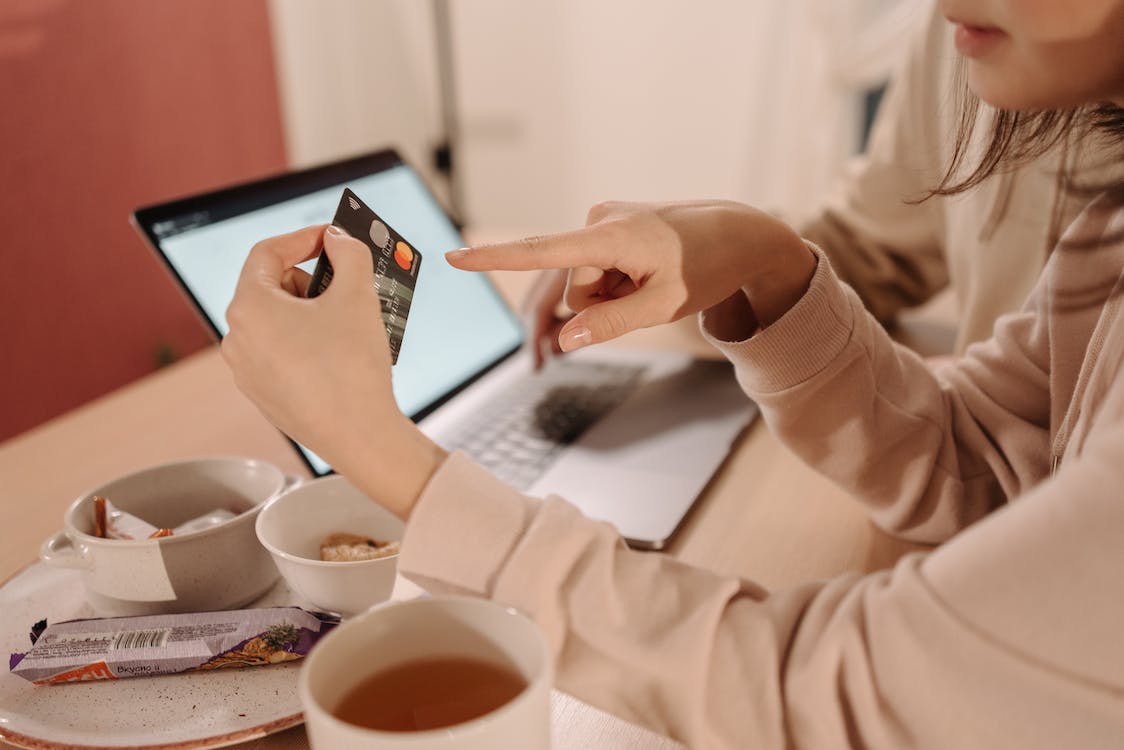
396 265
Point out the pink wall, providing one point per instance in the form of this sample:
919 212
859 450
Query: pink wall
105 106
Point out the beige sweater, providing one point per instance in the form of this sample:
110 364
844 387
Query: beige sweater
989 247
1009 635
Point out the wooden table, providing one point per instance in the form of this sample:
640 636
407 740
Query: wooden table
765 516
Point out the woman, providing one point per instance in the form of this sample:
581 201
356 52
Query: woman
1008 634
986 252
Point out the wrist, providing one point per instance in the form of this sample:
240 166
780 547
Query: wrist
781 275
393 465
731 320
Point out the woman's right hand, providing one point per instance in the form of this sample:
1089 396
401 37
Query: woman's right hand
319 369
541 316
638 265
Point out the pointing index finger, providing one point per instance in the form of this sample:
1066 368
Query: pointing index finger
583 247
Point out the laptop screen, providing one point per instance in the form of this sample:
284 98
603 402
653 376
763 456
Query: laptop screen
458 327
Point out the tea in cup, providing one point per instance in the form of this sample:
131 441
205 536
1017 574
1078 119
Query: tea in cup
434 673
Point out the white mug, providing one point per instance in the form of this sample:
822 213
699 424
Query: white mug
219 567
391 634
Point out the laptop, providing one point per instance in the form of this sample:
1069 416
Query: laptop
630 437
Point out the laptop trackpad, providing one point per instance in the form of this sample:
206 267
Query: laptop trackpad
642 465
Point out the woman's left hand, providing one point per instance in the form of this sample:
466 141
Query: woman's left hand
319 369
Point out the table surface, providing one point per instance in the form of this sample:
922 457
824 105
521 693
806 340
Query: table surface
765 515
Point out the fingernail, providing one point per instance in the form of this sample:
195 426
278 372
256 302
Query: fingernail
335 231
575 338
455 254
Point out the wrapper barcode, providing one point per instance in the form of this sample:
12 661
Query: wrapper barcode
140 639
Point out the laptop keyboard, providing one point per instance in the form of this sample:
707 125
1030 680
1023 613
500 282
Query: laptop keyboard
520 433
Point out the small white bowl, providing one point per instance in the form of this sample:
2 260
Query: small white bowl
292 526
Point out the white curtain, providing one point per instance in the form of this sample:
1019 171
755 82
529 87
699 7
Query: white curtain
865 38
565 104
814 68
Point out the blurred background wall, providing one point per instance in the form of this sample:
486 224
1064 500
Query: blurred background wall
112 104
107 105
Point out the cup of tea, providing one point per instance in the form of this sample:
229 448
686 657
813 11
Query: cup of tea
434 673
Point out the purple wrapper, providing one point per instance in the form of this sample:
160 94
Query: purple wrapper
118 647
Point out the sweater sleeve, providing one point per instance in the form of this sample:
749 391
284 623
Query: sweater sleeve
1007 636
887 247
843 396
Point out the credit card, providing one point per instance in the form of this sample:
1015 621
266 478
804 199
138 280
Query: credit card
396 265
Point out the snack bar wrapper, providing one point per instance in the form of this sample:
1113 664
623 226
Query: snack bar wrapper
112 648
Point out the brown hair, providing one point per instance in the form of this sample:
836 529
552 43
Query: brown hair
1021 137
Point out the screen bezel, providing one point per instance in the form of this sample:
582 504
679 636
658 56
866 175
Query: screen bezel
241 198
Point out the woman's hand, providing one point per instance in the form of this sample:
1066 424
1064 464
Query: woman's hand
638 265
541 317
319 369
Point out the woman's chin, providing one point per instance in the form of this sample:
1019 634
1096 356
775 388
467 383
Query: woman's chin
1002 94
1016 94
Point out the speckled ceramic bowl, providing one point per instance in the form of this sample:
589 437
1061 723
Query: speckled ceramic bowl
221 566
293 526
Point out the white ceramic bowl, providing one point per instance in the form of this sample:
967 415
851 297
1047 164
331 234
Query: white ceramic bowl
293 525
219 567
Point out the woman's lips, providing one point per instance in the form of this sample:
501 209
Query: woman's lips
976 41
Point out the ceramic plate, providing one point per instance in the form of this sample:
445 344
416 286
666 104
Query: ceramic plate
202 710
181 711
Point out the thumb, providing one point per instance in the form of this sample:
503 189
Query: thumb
352 264
607 320
295 282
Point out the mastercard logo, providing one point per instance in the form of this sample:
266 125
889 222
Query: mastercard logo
403 255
